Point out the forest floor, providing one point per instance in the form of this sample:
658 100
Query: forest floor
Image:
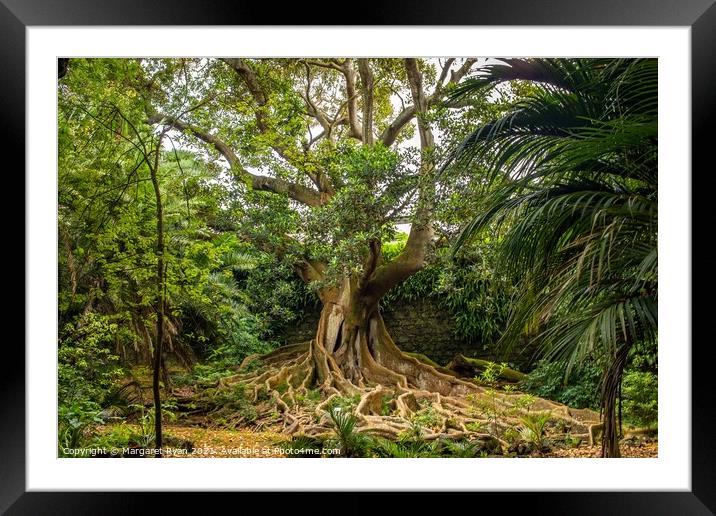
628 451
240 443
268 443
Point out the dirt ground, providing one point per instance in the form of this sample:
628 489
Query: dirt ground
245 443
635 451
229 443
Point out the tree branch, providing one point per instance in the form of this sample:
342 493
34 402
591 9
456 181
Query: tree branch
352 97
391 132
244 70
457 75
332 65
249 76
366 77
310 270
406 115
414 255
444 71
372 262
311 108
295 191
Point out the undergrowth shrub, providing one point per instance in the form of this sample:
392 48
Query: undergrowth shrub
640 398
467 286
88 373
580 390
231 407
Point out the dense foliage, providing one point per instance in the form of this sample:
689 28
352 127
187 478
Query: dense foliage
469 287
106 254
579 390
106 217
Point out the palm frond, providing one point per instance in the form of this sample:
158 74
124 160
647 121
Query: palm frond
572 187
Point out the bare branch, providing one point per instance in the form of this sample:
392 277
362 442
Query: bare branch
332 65
393 130
445 70
406 115
295 191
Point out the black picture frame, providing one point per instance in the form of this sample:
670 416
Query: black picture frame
700 15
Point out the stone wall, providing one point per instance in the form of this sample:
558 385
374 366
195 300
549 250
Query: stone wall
304 329
419 327
423 327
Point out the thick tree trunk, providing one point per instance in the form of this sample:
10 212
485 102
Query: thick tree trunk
353 348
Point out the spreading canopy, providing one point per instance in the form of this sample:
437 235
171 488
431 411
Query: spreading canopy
347 144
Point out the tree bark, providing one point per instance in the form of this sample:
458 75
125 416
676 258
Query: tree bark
353 348
367 79
611 386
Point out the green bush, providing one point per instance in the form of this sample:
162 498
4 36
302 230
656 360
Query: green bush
275 295
310 400
87 374
418 448
409 448
120 436
351 442
426 417
344 403
581 390
233 407
75 423
87 370
533 428
639 398
475 294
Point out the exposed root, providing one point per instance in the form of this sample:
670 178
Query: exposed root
392 395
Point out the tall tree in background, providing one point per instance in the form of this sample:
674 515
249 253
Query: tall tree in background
153 165
148 147
574 167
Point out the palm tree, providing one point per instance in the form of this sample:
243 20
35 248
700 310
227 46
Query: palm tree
572 177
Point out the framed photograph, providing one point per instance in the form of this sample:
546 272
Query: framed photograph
422 249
